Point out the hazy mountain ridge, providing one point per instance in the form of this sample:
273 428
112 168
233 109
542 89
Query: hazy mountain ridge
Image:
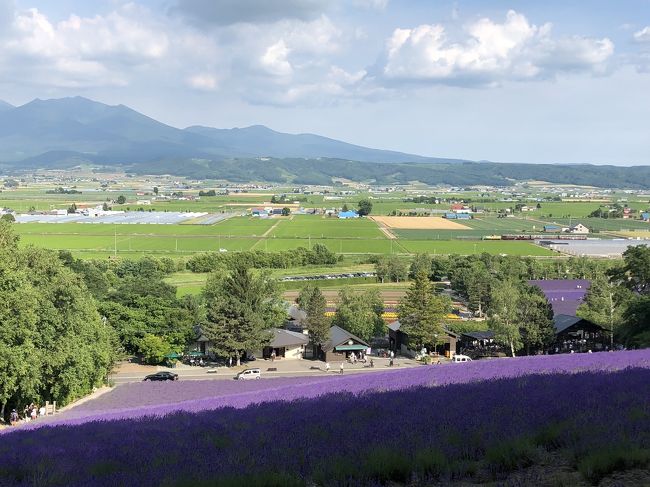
71 131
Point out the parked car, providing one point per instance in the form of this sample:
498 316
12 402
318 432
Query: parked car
249 374
162 376
461 358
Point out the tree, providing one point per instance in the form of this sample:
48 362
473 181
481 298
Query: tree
391 268
72 208
421 312
504 316
605 304
535 318
345 207
105 206
155 190
360 313
365 207
8 217
635 273
313 303
121 199
242 307
286 211
420 263
154 349
635 332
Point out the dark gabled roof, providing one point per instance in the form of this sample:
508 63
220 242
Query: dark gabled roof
286 338
339 336
479 335
396 325
564 322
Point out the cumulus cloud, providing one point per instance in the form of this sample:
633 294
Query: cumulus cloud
490 52
226 12
643 35
203 81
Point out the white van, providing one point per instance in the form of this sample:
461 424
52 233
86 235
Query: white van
249 374
461 358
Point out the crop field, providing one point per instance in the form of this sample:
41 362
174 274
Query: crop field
605 224
304 226
494 247
343 431
477 227
343 246
421 223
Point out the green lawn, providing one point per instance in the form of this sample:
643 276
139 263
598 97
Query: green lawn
477 247
341 246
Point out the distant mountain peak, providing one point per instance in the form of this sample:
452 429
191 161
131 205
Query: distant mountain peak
5 106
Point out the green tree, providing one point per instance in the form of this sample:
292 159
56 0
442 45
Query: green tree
635 272
605 305
421 312
535 318
121 199
365 207
314 304
155 190
72 208
635 332
504 314
391 268
360 313
286 211
242 307
345 207
8 217
420 263
153 349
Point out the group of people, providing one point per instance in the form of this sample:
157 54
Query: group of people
30 413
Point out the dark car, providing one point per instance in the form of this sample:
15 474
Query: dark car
162 376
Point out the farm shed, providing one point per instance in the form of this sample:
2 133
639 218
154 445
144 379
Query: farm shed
478 344
565 295
552 229
340 345
399 343
578 228
450 216
286 344
573 333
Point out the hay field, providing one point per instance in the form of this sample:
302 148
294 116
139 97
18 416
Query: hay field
419 223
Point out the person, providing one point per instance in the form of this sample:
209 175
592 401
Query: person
230 361
341 368
273 356
390 364
33 412
392 356
201 362
327 366
372 363
41 411
13 419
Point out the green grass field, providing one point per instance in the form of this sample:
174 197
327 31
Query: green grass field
316 226
468 247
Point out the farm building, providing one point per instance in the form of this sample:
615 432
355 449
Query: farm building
340 345
259 212
450 216
479 344
565 295
578 228
463 216
398 341
286 344
574 334
645 216
344 215
552 229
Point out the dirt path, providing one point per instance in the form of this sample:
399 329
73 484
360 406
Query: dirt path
385 230
266 234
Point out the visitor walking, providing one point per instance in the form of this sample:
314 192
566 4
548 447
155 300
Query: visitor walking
327 366
341 368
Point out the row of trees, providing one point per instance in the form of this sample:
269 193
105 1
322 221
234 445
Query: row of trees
319 254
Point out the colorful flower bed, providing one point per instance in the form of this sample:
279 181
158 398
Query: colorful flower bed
479 421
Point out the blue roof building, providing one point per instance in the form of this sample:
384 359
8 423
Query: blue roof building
451 216
348 214
645 216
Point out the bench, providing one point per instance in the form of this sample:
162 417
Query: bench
272 369
213 371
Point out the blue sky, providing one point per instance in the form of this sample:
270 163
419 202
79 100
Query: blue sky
523 81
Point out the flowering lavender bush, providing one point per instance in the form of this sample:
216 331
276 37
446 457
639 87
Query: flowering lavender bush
160 398
480 421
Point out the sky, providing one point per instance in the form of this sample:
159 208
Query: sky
517 81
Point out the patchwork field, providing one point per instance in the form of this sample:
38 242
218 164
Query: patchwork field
495 432
315 226
419 223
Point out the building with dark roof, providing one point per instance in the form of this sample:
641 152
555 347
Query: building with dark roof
340 345
399 341
286 344
478 344
565 295
576 334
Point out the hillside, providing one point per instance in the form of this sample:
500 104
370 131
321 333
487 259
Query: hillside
118 134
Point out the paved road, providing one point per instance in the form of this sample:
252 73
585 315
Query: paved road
289 368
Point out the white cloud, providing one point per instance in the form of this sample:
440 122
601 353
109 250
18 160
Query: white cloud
643 35
491 52
274 60
203 81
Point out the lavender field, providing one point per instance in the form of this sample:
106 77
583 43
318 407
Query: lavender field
481 421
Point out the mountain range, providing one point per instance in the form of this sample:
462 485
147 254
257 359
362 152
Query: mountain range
67 128
66 132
